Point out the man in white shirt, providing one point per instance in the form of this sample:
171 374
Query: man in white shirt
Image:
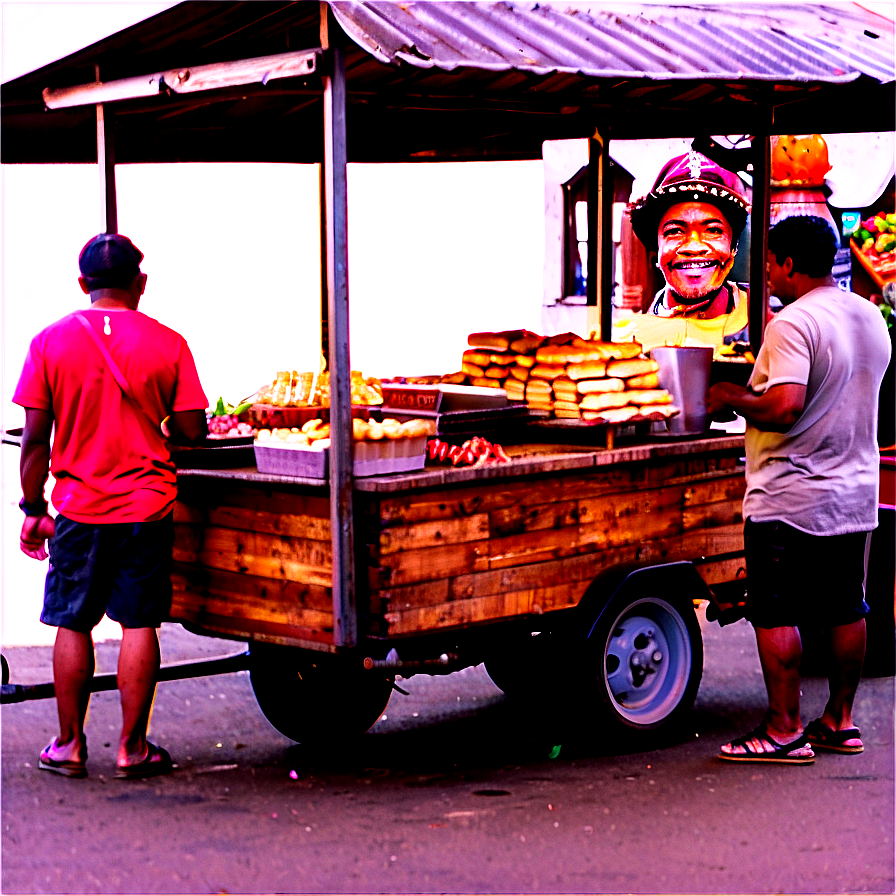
812 487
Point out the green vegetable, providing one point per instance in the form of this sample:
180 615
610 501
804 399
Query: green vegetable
222 408
888 314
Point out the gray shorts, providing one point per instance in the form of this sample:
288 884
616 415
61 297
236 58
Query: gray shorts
122 570
795 578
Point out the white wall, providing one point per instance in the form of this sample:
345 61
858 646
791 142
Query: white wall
232 253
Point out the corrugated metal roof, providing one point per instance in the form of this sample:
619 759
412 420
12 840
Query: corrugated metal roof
780 42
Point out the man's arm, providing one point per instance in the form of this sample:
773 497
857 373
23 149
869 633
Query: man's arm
34 467
775 410
187 427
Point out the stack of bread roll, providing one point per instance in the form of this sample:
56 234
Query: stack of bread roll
568 376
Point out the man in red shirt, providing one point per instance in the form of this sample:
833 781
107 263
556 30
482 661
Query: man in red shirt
106 379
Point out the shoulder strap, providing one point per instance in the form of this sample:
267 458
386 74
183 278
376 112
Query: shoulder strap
113 367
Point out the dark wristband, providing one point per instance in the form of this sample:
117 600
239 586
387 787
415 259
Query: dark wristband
39 508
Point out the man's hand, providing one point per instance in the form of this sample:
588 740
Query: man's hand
720 397
35 532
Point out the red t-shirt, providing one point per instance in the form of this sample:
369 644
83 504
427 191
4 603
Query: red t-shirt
110 463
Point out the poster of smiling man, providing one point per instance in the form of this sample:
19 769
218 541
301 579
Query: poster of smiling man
693 218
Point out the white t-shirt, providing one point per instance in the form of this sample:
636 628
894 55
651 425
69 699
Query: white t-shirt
822 476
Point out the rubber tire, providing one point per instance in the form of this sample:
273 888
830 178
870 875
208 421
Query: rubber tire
662 699
316 700
5 669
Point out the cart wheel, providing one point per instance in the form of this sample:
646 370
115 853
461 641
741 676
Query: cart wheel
646 658
5 666
315 699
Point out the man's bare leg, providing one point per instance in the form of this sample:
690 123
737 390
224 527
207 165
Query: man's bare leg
138 669
780 651
847 656
73 667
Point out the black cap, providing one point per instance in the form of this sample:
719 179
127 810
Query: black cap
109 260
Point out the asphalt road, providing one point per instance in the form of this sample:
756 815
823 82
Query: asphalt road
453 791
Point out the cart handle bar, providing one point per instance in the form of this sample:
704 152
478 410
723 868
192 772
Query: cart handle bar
19 693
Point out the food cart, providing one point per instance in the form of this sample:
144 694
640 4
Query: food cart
587 550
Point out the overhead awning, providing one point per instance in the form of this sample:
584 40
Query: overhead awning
454 80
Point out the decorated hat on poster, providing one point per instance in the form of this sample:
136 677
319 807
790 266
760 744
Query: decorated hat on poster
691 177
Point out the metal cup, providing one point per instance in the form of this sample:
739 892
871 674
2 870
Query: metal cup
684 371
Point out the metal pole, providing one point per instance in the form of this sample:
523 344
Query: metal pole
105 157
599 285
760 215
335 209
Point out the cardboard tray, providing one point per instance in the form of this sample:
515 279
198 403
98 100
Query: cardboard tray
370 458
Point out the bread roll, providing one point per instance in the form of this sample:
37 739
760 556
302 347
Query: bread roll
525 360
527 343
487 382
519 373
548 371
571 415
502 359
658 411
500 340
645 381
477 357
539 405
515 390
607 384
472 370
538 387
632 367
586 370
624 349
566 405
599 401
649 396
497 373
611 415
454 379
561 339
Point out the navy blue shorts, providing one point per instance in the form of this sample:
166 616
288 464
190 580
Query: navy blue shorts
796 578
122 570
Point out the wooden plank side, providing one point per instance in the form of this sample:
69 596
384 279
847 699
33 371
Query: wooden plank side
433 564
724 488
489 497
252 589
250 520
261 498
721 513
432 533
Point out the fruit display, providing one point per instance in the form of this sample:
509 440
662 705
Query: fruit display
224 421
874 242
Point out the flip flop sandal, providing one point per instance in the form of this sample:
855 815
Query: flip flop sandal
825 738
791 754
66 767
157 762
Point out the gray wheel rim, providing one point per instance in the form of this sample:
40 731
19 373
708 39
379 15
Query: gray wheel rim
647 661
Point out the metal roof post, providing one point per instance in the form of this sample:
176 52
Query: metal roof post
760 215
105 158
599 282
335 210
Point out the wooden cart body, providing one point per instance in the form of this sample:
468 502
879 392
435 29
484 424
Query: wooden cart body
442 550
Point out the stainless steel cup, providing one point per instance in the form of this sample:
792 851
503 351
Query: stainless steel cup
684 371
